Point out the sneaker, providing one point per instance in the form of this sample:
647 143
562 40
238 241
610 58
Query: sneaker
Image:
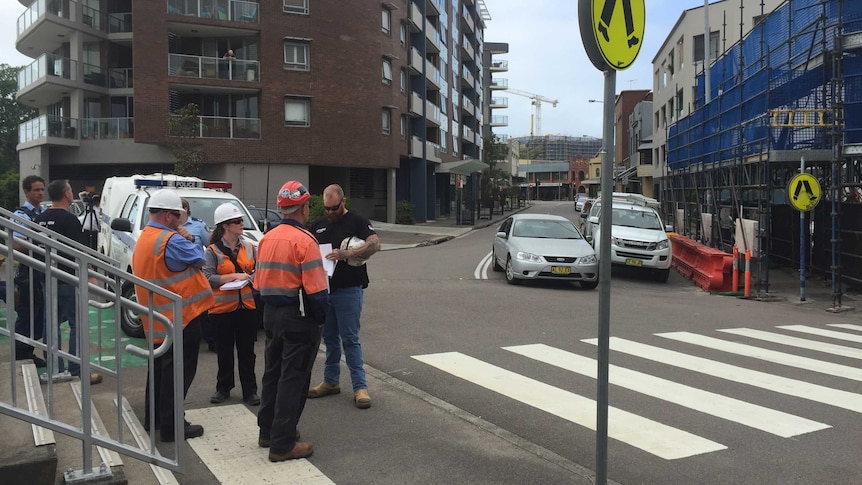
300 450
323 389
191 431
361 399
252 400
219 397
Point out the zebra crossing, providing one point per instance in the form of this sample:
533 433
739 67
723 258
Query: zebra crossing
663 439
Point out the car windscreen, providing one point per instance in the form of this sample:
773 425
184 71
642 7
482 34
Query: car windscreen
203 208
635 218
536 228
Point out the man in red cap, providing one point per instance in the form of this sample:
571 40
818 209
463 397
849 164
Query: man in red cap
293 287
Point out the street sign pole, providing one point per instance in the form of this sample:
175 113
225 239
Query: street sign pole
802 242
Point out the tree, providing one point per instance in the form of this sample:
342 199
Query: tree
494 176
183 133
12 113
9 190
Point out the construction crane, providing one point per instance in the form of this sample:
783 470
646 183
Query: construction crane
537 100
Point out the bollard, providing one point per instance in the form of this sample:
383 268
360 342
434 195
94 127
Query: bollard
747 273
735 277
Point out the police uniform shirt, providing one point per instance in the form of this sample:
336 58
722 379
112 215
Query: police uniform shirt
352 224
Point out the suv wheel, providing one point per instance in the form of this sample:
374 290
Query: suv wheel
130 321
662 275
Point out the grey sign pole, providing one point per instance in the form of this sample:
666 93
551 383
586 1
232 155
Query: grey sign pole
607 176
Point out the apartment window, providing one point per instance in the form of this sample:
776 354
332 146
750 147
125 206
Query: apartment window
297 111
403 34
296 6
404 81
714 42
387 121
387 71
403 127
296 55
386 26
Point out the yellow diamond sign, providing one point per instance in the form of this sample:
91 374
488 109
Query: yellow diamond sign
803 192
612 31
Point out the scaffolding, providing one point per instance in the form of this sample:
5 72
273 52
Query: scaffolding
790 90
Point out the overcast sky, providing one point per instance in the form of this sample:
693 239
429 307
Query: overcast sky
546 57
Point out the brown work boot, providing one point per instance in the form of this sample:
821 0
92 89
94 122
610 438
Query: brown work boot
300 450
361 398
323 389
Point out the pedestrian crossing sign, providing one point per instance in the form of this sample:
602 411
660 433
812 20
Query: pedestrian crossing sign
612 31
803 192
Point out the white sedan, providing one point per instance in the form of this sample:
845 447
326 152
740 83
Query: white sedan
546 247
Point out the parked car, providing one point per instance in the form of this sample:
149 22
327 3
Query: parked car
543 247
638 239
266 219
579 201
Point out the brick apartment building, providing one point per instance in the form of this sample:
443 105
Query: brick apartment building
383 98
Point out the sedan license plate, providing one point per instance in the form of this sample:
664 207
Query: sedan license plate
560 270
634 262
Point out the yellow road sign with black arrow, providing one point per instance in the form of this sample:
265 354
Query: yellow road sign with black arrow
803 192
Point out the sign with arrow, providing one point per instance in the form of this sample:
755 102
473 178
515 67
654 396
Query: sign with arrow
803 192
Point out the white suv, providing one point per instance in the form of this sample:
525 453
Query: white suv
638 239
124 215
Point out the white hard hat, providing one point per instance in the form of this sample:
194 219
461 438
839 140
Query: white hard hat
166 199
226 212
353 242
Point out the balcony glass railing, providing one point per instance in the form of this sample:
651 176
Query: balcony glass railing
47 126
47 65
120 77
94 18
500 65
230 10
499 83
500 120
224 127
499 102
94 75
119 22
107 128
213 68
40 8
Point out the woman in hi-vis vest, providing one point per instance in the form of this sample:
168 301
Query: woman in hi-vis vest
230 263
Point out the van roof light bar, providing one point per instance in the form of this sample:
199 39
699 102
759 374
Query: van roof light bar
183 184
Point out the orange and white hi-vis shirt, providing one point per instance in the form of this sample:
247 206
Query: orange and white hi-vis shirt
148 262
227 301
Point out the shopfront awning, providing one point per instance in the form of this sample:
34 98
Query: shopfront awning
462 167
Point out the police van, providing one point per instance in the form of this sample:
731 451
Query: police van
125 213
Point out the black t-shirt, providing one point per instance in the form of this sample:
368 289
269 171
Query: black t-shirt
65 223
352 224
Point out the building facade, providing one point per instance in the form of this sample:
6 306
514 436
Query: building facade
376 97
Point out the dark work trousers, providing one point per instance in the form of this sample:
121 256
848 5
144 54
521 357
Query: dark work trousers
207 330
291 346
25 321
163 379
237 328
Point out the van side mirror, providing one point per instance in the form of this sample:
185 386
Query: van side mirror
120 224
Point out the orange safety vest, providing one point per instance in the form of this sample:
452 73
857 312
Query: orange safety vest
148 262
288 259
227 301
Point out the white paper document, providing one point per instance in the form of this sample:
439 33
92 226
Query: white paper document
328 265
233 285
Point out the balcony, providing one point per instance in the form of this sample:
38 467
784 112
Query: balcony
497 121
499 103
107 128
467 76
499 66
433 114
415 17
434 43
499 83
120 78
120 23
201 67
415 61
228 10
467 21
468 135
233 128
433 152
46 80
415 104
435 7
433 76
48 130
467 48
468 106
43 27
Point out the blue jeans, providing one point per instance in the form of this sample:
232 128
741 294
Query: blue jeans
342 328
66 311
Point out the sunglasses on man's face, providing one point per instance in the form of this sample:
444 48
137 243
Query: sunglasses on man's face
333 208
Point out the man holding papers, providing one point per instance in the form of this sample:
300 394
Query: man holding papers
230 265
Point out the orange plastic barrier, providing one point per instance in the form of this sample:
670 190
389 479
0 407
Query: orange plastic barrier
709 268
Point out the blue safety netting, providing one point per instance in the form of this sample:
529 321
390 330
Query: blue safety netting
777 65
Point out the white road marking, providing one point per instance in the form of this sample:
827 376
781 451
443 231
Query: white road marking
718 405
782 358
653 437
802 343
229 449
823 332
481 271
782 385
848 326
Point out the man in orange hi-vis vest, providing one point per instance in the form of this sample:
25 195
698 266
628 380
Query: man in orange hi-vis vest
166 256
293 286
